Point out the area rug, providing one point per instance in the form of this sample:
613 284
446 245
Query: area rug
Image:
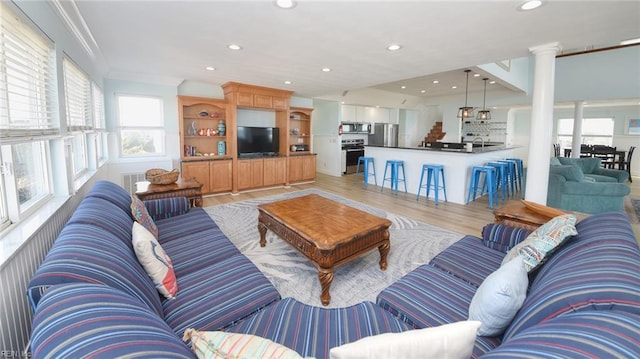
412 244
635 203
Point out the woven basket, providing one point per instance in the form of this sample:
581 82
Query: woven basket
160 176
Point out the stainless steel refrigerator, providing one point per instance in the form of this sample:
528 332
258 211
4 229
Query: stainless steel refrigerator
383 134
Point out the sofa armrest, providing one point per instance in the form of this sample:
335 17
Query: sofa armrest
502 237
569 172
167 207
620 176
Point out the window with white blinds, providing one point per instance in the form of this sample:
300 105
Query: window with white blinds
77 93
27 83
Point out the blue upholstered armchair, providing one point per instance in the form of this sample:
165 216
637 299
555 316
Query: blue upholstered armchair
572 189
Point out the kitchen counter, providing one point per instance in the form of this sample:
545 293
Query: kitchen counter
457 165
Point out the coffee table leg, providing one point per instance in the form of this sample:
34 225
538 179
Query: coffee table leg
326 278
263 233
384 250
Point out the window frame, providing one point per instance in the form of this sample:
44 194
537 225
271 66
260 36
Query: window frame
160 126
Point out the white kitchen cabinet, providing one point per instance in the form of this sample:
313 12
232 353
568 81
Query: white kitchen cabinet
348 113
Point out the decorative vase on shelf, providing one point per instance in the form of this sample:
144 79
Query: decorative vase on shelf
192 130
221 128
222 148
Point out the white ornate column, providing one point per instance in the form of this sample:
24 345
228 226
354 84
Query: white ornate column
541 122
577 129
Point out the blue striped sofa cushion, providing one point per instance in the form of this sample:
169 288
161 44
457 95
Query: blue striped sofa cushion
87 253
215 297
429 297
313 331
593 334
105 217
94 321
469 260
194 242
113 193
596 270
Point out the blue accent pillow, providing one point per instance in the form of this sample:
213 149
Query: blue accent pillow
499 298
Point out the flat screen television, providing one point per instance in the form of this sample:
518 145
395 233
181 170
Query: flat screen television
258 141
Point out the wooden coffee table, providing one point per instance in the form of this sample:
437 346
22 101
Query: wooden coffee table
328 233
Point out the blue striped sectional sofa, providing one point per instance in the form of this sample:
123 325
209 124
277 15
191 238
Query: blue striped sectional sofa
92 298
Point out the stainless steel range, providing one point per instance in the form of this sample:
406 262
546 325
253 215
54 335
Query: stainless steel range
352 149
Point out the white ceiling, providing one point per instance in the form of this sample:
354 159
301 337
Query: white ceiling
173 41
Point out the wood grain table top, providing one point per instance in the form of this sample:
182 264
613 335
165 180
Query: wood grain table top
322 221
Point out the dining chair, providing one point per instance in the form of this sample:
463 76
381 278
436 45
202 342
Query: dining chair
626 164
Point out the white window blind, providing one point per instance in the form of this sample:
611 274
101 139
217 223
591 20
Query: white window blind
77 88
27 82
98 107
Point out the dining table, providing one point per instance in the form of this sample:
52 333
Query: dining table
618 157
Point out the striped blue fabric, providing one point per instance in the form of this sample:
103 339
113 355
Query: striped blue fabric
502 237
597 270
104 216
113 193
87 253
194 242
469 260
593 334
94 321
217 296
429 297
167 207
313 331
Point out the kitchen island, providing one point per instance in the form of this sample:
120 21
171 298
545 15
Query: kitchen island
457 165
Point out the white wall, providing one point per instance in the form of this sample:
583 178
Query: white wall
119 166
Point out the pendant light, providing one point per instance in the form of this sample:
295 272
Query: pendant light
466 111
484 114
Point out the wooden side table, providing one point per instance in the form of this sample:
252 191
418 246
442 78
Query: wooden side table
184 187
530 217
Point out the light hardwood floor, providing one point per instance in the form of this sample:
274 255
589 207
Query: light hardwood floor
465 219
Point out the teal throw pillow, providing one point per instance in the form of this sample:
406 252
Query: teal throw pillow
543 241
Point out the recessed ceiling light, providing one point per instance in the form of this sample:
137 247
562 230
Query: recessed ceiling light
394 47
210 68
287 82
234 47
492 82
285 4
403 87
436 81
423 91
454 87
326 69
530 5
476 75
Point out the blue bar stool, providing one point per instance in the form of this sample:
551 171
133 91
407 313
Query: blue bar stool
367 163
512 170
433 171
501 178
395 178
520 172
489 178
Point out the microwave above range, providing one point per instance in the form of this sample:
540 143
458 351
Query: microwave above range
356 127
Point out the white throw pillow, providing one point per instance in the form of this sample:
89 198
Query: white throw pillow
212 345
499 297
154 260
455 340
